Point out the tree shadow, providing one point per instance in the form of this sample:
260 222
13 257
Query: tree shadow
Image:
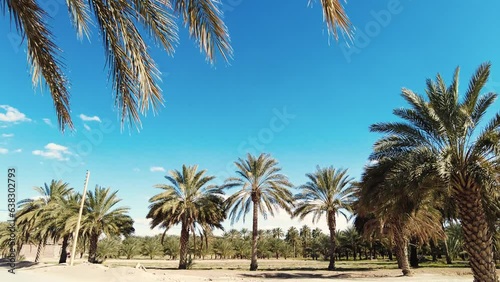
285 275
4 263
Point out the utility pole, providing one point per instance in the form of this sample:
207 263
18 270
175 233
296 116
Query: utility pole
75 234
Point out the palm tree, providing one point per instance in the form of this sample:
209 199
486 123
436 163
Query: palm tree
188 201
277 232
329 192
264 187
397 201
447 127
353 239
101 216
292 237
134 73
37 213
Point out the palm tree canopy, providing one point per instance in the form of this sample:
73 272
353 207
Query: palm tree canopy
101 215
261 181
189 200
328 190
445 126
134 73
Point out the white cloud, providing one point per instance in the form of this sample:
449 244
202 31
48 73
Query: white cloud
157 169
86 127
17 151
48 122
5 135
3 151
53 151
89 118
12 114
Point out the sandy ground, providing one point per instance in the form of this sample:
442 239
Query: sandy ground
100 273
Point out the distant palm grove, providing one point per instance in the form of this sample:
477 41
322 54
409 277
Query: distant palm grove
430 192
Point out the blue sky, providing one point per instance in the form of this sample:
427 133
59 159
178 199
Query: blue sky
289 91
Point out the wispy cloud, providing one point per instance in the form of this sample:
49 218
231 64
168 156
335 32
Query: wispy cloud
53 151
5 135
157 169
86 127
48 122
89 118
11 114
17 151
136 169
3 151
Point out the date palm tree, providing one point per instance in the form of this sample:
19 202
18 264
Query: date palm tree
448 127
35 213
102 216
263 188
292 237
190 202
398 202
134 73
328 191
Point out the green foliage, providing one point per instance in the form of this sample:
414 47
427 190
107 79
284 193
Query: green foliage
151 247
130 247
108 248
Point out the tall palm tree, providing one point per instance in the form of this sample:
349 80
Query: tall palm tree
448 128
36 213
263 187
102 216
134 73
190 202
328 191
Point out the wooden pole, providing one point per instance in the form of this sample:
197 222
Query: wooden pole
75 234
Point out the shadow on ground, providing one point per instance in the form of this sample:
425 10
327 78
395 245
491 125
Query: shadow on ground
4 263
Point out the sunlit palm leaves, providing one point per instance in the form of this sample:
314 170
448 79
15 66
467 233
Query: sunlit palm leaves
134 73
446 130
263 188
188 201
328 191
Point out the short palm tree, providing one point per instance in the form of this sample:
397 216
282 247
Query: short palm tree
292 238
102 216
329 191
132 69
187 201
263 187
448 128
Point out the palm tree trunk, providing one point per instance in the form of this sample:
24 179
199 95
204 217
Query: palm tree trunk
184 246
332 224
41 245
413 253
64 251
94 237
255 230
478 239
402 252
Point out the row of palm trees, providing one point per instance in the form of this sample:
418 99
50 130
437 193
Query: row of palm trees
435 166
189 200
304 242
52 215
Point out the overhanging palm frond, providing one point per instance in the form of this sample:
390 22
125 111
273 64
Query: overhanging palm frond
203 17
43 55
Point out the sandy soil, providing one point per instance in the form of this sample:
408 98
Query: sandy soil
99 273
